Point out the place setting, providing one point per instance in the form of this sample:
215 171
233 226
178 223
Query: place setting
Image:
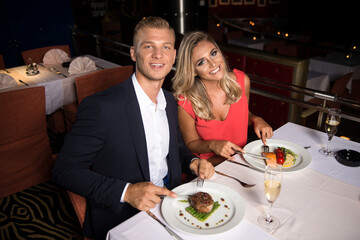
225 208
291 156
59 62
229 206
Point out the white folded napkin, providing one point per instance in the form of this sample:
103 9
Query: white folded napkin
55 56
7 81
81 65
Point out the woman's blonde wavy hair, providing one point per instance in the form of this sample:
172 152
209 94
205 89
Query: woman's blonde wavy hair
187 85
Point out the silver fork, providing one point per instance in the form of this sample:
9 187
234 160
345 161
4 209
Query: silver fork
199 182
53 69
265 148
246 185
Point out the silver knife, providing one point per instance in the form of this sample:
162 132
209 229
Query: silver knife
252 155
172 233
179 196
23 82
58 72
232 161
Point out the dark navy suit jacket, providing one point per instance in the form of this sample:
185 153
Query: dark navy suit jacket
106 149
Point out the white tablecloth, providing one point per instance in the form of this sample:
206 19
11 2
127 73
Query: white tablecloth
317 81
59 90
319 202
336 66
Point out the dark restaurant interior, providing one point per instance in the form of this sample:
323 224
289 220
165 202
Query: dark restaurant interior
103 28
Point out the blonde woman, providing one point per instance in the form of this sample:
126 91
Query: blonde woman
213 101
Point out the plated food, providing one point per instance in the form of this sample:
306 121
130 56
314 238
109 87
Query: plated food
201 202
302 156
282 156
227 210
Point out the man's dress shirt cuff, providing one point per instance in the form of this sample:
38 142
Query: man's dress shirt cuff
123 193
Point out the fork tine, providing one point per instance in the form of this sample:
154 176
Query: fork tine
265 148
199 182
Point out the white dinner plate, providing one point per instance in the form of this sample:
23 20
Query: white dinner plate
302 160
228 215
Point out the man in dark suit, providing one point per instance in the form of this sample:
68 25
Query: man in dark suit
125 148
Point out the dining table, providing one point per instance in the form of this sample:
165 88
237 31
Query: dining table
336 65
59 84
317 81
318 200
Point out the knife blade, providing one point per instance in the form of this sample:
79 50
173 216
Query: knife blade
58 72
179 196
23 82
232 161
172 233
252 155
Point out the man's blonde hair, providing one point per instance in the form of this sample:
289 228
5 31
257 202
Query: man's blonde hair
151 22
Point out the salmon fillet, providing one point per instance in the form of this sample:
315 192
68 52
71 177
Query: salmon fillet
272 161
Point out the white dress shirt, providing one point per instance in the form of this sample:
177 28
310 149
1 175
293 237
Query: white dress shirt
156 133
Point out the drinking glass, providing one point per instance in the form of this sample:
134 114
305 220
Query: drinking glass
332 122
272 187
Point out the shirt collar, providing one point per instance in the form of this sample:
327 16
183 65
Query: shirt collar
144 100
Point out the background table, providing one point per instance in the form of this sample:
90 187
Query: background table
317 81
335 66
59 90
319 202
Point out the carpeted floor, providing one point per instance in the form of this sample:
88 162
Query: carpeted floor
39 212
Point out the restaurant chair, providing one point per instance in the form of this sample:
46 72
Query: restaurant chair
89 84
38 54
338 88
2 63
79 205
95 82
25 154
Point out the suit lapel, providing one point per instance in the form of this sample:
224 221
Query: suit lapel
173 135
137 127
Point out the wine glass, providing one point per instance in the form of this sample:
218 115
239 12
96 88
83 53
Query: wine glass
272 187
332 122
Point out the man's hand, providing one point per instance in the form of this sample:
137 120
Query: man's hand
202 168
145 195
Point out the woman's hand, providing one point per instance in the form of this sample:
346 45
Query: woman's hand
262 129
224 148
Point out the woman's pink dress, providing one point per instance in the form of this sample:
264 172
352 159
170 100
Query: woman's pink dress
233 128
